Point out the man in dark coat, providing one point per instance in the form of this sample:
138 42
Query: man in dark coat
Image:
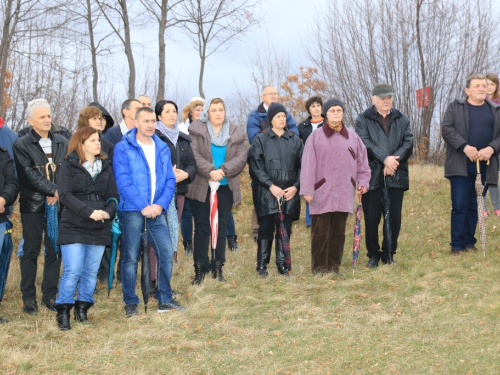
387 135
31 153
471 130
129 108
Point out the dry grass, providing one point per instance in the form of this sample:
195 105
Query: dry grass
430 313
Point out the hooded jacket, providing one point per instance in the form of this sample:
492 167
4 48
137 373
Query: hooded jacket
9 188
30 164
455 132
275 160
109 120
80 196
133 177
258 121
236 157
399 142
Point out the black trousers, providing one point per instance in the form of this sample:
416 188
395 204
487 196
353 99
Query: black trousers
201 214
269 225
373 212
34 224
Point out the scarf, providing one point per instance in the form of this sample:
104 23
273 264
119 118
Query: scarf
171 134
329 131
93 168
222 138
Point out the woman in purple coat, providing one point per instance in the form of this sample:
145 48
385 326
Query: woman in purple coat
333 162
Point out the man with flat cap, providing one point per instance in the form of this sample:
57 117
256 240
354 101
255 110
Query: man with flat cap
387 135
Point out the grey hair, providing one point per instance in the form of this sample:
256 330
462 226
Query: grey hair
472 77
146 96
265 87
37 103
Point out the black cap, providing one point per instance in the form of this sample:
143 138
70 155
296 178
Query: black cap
274 109
383 90
331 103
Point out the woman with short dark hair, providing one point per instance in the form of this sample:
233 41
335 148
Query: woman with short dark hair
85 183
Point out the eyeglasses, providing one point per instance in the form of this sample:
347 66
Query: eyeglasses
271 93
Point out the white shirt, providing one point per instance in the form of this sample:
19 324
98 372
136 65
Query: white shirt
150 153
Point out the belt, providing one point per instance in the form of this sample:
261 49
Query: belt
90 197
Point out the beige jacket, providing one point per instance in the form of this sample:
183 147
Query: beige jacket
236 158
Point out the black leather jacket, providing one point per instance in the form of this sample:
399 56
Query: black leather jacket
30 163
9 188
399 142
275 160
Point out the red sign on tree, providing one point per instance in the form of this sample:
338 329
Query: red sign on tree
423 97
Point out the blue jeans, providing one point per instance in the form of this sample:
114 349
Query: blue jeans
3 227
132 223
308 217
464 207
80 265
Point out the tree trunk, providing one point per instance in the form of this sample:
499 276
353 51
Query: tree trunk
9 26
128 50
200 81
162 73
95 72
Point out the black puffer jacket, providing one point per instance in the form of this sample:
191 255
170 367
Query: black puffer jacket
399 142
30 164
275 160
80 196
9 188
187 162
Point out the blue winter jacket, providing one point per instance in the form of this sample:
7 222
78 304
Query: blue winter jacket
133 178
258 121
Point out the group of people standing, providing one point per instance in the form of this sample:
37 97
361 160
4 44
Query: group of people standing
149 166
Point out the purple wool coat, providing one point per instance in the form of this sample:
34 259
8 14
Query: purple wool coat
331 167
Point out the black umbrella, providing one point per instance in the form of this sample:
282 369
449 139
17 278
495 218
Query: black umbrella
5 257
387 242
145 267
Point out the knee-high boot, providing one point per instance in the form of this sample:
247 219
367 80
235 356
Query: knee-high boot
280 258
263 256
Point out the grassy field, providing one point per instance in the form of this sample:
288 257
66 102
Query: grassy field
429 314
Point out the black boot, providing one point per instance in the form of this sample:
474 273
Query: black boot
280 259
232 242
263 256
81 311
63 316
188 247
199 273
217 271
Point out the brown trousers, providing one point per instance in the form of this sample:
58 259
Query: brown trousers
327 241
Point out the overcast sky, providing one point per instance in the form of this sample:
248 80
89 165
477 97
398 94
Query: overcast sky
285 21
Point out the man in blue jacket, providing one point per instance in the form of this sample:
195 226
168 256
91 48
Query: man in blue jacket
257 119
146 183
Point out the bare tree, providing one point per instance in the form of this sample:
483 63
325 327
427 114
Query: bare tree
428 43
160 11
116 13
213 24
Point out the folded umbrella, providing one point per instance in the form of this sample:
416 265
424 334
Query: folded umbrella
115 235
145 267
51 212
5 255
480 208
357 234
283 236
173 225
214 216
387 242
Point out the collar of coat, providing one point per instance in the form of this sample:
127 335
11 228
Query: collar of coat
35 137
286 134
491 103
329 131
372 114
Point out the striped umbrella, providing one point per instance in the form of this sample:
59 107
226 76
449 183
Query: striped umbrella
214 215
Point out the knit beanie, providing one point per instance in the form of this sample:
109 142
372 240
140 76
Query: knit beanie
274 109
332 102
